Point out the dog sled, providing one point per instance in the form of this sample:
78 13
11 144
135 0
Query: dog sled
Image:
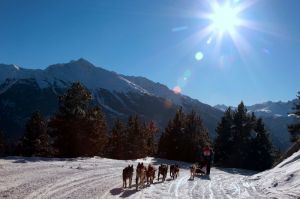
197 169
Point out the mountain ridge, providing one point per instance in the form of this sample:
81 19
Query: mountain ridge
118 95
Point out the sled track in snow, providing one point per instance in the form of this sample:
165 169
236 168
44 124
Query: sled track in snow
101 178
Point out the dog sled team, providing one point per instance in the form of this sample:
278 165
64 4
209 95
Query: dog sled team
146 174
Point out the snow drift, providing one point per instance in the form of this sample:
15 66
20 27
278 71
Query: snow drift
283 181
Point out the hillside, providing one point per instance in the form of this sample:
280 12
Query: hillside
283 181
23 91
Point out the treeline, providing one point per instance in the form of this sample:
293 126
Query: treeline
136 139
78 129
242 141
183 138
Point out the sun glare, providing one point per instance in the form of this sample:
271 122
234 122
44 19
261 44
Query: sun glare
224 18
227 18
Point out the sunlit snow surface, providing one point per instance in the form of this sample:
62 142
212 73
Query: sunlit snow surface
101 178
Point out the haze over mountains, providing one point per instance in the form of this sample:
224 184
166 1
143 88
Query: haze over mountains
23 91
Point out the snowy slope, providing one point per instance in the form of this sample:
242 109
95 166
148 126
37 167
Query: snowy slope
282 181
101 178
156 89
93 78
79 70
277 109
23 91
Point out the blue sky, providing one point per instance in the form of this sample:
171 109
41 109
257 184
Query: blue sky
159 39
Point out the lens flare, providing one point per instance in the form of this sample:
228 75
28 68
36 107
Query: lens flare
168 103
177 90
209 40
187 73
181 82
199 56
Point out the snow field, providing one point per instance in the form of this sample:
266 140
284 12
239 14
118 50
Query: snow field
102 178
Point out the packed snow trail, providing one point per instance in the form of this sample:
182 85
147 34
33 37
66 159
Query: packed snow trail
101 178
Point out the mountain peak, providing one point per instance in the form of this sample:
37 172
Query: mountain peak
81 61
78 65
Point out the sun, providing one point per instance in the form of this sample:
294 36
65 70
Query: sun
227 22
224 18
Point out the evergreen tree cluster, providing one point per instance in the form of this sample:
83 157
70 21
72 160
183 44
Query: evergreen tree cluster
132 140
242 141
77 129
35 141
183 138
294 129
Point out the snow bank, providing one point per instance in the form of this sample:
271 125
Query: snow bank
283 181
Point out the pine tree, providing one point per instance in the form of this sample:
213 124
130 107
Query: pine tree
224 140
164 142
241 136
151 131
183 136
294 129
118 141
242 141
2 144
172 137
261 156
195 137
35 141
76 129
137 147
95 136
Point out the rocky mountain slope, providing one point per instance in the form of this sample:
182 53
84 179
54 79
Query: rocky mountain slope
23 91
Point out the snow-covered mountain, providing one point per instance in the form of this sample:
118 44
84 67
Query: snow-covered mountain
269 108
276 109
276 116
23 91
221 107
81 70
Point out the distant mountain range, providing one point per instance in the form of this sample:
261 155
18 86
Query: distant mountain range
276 116
23 91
